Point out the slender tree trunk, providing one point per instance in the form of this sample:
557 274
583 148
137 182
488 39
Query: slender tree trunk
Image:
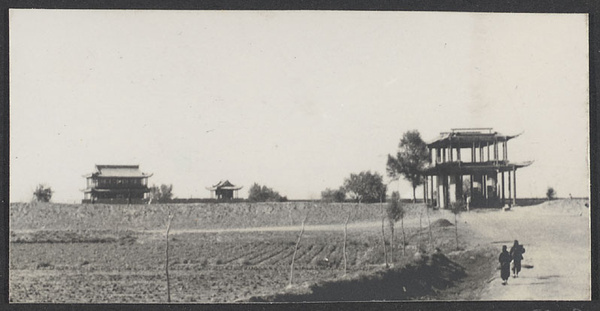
392 243
383 242
456 229
167 258
383 233
403 237
345 235
414 194
296 250
430 232
420 229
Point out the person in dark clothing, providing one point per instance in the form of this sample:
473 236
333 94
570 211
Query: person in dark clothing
516 252
505 260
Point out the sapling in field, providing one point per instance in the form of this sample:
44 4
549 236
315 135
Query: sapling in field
381 194
457 208
345 238
431 246
296 250
395 212
167 257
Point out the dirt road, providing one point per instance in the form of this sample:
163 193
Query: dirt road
556 265
557 259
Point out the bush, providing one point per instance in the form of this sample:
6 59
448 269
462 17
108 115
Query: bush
258 193
550 193
366 187
161 194
42 193
329 195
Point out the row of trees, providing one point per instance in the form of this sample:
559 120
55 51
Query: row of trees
366 187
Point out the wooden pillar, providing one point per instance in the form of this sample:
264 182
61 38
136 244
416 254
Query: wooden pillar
431 184
503 189
496 150
485 190
425 192
509 189
480 153
458 153
473 153
515 186
447 191
460 188
471 186
488 150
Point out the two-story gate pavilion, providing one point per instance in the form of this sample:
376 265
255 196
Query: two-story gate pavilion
482 155
116 184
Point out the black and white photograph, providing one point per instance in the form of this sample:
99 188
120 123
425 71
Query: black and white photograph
285 156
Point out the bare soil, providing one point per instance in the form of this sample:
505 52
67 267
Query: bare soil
94 254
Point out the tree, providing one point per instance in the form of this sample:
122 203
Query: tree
345 238
365 187
550 193
163 193
167 256
43 193
333 195
410 161
296 250
258 193
395 212
457 208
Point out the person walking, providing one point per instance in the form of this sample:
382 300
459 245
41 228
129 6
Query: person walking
516 252
505 260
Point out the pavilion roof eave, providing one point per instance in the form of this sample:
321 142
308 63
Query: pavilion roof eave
466 140
117 190
469 168
117 176
224 188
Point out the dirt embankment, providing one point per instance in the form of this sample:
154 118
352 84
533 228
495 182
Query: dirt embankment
420 280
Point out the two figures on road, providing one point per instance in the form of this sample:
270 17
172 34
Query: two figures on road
515 255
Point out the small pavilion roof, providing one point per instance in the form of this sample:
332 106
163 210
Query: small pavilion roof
131 171
225 185
466 137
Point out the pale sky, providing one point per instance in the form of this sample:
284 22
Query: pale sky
295 100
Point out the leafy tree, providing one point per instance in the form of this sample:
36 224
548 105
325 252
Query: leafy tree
43 193
410 161
395 212
163 193
258 193
335 195
550 193
365 187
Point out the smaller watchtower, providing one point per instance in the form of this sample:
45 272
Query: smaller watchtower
224 190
